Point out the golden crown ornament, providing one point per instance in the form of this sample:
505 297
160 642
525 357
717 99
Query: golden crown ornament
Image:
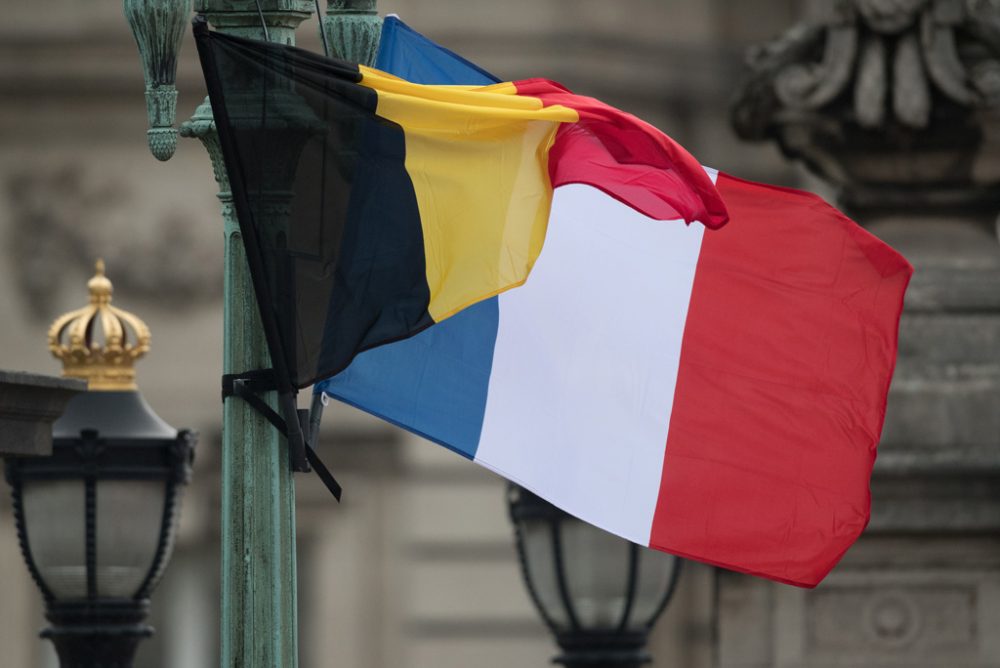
100 343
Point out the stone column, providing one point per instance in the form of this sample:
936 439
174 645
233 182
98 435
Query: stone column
891 103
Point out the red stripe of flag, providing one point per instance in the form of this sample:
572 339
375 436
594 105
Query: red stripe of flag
787 355
627 158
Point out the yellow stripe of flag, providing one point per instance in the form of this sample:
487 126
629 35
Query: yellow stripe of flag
478 161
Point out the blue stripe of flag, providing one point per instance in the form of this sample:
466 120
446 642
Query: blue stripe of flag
433 384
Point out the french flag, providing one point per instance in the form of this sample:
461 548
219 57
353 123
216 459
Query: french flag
716 394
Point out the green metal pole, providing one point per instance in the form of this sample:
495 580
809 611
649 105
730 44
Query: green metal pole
259 623
352 30
259 617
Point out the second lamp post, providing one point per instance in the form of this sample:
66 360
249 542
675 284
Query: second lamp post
96 520
599 594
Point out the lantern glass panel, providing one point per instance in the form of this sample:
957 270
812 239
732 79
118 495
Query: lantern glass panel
596 564
656 570
55 522
129 524
541 566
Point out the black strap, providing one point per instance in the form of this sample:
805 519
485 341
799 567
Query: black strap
248 386
323 473
256 381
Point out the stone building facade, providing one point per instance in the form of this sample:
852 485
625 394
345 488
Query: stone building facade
416 568
895 106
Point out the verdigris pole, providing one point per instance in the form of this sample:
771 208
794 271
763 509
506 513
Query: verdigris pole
352 30
259 626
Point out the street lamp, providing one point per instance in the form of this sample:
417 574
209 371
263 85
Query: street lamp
96 521
599 594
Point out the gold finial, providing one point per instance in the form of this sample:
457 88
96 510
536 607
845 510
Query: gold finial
99 342
100 287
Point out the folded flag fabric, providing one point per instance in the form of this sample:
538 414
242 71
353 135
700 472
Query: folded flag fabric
715 394
377 207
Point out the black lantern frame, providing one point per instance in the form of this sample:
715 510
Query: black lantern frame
133 444
620 646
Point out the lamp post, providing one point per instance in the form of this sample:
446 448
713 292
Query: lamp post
258 621
599 594
96 520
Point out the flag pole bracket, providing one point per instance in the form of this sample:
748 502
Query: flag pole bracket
248 386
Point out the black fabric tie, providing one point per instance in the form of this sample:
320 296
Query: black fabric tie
248 386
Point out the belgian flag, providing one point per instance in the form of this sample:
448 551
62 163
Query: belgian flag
373 207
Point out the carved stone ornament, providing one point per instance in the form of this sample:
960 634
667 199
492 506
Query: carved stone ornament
75 214
881 93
